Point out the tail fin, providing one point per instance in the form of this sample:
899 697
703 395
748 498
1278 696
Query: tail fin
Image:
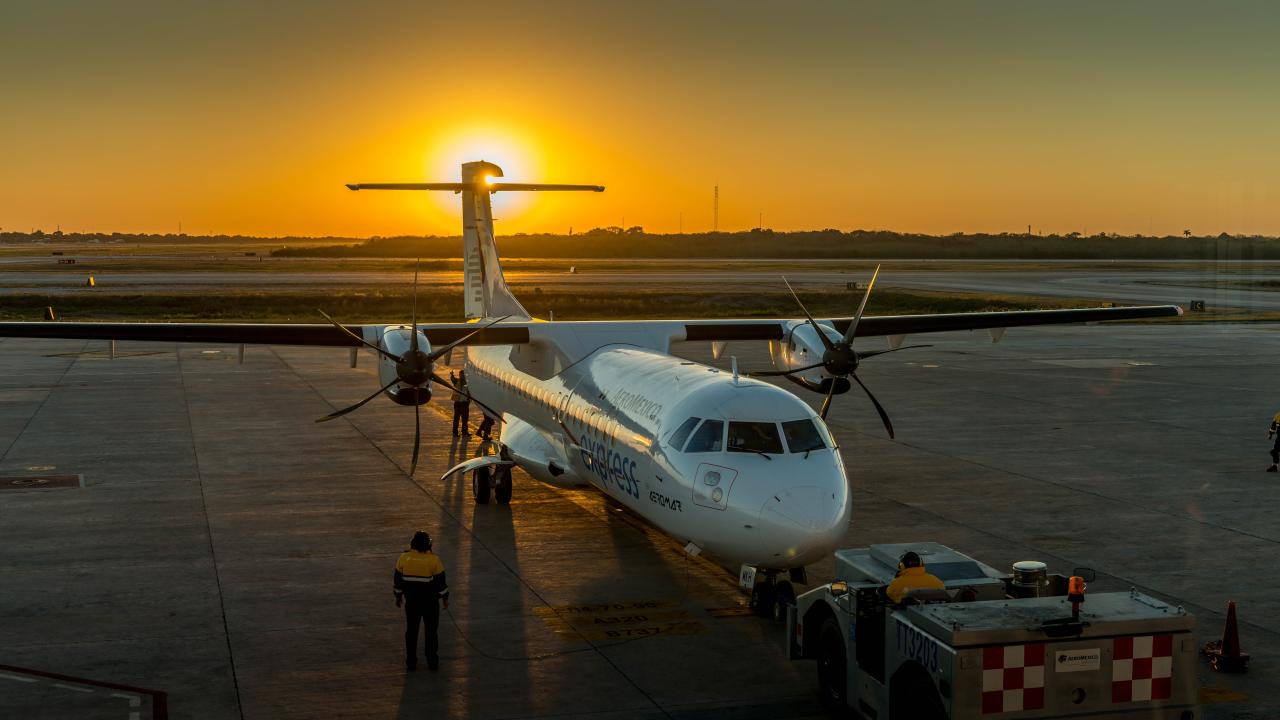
485 289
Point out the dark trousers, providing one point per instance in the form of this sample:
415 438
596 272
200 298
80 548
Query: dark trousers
486 427
461 410
428 613
1275 451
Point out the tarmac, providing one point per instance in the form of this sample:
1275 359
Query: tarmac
206 550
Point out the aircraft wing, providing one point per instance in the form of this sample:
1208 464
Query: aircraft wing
517 333
318 334
723 330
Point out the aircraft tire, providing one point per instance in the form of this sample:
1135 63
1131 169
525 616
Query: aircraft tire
762 596
784 596
502 489
480 486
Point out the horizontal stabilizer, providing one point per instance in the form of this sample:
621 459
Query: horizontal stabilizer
544 186
478 187
451 187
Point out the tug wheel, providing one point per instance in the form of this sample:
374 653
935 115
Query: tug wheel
832 676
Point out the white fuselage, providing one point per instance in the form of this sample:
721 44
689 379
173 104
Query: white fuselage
612 417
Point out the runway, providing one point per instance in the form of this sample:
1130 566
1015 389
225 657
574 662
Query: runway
1238 286
226 550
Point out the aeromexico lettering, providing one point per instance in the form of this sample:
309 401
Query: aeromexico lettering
639 404
611 466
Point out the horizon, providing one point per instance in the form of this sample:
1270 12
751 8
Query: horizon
623 232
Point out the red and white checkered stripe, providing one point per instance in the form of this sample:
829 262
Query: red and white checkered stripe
1142 668
1012 678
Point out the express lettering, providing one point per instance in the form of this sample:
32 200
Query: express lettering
918 646
610 466
658 498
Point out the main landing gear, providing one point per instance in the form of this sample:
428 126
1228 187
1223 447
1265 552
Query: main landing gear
491 481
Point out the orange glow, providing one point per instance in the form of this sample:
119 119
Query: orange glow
894 116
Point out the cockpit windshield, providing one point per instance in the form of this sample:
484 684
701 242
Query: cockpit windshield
756 437
802 436
682 433
708 437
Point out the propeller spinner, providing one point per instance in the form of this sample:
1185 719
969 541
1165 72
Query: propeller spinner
839 359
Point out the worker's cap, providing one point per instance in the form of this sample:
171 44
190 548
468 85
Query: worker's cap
421 541
909 559
1277 417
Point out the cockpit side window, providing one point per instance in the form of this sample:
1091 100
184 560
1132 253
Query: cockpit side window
758 437
708 438
682 433
802 436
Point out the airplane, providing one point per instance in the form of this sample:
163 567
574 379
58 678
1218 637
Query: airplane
726 463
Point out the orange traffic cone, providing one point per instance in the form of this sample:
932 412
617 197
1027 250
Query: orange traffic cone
1225 655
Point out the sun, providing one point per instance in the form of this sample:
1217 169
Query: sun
503 146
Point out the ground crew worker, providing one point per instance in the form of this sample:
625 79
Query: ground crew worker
1274 432
461 402
911 575
420 587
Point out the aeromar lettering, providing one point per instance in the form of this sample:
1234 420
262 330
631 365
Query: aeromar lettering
612 467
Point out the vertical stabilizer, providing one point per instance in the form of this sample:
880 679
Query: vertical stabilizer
485 289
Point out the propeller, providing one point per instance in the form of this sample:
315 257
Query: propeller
839 359
414 369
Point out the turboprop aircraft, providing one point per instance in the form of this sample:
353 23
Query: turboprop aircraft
730 465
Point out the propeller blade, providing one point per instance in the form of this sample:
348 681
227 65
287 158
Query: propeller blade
873 353
441 352
361 340
826 402
776 373
358 405
826 341
884 416
853 326
413 339
417 437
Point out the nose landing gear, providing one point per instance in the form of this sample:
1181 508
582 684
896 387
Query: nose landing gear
771 596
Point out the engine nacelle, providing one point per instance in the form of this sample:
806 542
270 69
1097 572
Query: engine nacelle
801 347
395 339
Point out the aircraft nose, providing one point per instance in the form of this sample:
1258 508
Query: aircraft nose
810 508
809 521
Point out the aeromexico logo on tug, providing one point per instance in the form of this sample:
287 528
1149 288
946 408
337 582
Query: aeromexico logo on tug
611 466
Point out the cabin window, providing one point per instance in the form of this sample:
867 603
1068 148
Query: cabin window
758 437
708 438
682 433
802 436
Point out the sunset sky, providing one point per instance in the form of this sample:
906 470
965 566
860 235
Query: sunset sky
248 117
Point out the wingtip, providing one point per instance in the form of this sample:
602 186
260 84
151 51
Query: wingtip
353 186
